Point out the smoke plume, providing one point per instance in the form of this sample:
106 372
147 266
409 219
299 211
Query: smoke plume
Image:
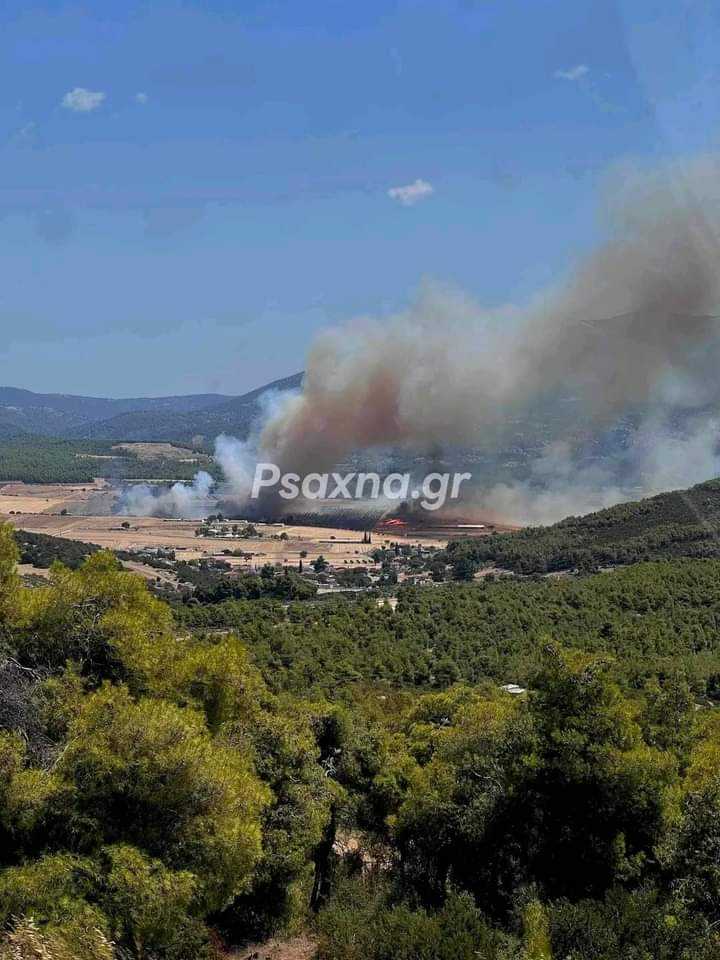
631 332
185 500
631 326
656 460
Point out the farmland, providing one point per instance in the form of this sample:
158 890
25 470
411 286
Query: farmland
67 511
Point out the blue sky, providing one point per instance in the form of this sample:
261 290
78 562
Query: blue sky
191 191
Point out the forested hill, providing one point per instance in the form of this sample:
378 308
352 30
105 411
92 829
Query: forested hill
233 415
24 414
682 523
58 414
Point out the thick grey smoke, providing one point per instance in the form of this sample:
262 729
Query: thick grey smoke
631 326
656 460
631 330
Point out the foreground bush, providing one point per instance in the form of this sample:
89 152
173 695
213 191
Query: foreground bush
69 942
361 923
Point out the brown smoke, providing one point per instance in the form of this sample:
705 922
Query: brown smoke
632 325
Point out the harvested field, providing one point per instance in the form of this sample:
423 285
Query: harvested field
162 451
151 573
46 498
38 510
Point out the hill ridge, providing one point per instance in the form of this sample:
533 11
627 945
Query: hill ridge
678 523
174 417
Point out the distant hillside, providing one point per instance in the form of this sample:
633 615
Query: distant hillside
683 523
233 415
23 413
55 460
8 428
56 414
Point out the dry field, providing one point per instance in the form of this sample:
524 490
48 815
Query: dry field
46 498
38 510
169 451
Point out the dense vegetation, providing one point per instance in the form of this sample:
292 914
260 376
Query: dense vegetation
45 460
211 584
170 788
683 523
655 617
42 550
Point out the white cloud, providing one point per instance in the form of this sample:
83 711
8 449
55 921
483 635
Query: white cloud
411 193
82 101
141 98
573 73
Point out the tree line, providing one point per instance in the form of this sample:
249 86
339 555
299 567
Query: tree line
49 460
683 523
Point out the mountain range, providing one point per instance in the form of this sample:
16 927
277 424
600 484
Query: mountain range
196 418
